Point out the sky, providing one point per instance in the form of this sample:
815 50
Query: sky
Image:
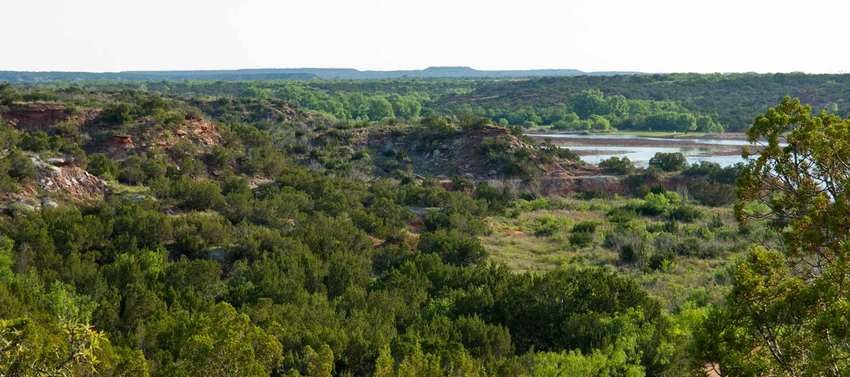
601 35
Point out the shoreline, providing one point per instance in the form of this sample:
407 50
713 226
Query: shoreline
644 134
650 143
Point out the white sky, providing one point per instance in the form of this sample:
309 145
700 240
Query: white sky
635 35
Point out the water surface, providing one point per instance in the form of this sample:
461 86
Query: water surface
715 150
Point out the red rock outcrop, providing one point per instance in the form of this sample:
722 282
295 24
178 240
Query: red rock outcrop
37 117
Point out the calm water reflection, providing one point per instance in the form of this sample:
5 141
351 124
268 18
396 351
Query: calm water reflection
640 155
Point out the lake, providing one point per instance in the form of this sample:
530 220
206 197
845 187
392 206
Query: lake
593 148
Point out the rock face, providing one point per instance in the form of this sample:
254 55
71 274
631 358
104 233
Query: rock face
565 185
71 180
142 137
608 184
38 117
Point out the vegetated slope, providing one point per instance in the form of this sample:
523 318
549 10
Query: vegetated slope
489 152
202 267
733 99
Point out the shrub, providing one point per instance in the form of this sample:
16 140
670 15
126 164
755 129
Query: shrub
581 239
461 184
20 167
616 165
102 166
219 157
460 221
662 260
658 189
37 142
592 194
433 127
198 195
453 247
685 213
714 194
120 113
637 182
689 247
634 253
469 122
653 205
130 171
621 214
390 256
497 200
547 226
668 161
585 227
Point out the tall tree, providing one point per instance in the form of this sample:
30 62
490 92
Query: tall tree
787 313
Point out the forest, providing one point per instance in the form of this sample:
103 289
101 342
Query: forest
309 228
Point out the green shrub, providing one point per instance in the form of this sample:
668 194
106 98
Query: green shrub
714 194
585 227
453 247
653 205
199 195
662 260
21 168
668 161
592 194
621 214
102 166
690 247
637 183
219 157
37 142
685 213
581 239
616 165
547 226
635 254
120 113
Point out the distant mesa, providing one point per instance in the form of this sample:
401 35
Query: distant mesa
292 74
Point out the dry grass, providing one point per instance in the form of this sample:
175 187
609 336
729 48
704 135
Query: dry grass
513 242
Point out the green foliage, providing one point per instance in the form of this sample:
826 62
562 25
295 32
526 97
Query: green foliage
222 342
102 166
453 247
617 359
616 165
714 194
278 251
20 167
654 204
581 239
433 127
547 225
8 95
685 213
120 113
781 314
668 161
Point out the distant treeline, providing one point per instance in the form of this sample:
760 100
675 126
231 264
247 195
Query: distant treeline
674 102
287 74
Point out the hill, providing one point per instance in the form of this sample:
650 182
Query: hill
288 74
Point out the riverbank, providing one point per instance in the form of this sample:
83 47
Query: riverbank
647 134
638 141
